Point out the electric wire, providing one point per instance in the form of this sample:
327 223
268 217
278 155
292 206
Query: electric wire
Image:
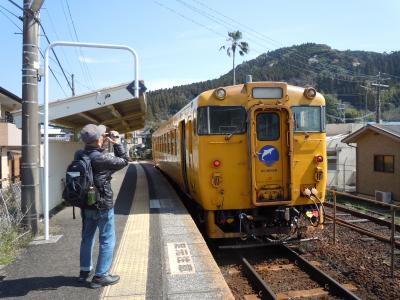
79 49
268 39
215 19
11 20
188 19
54 75
15 4
41 53
54 29
55 55
10 12
84 74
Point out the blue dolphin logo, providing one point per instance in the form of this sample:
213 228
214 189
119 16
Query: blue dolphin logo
268 155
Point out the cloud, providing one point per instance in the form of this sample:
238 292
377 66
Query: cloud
92 60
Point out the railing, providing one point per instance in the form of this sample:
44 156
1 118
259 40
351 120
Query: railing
7 119
392 208
11 211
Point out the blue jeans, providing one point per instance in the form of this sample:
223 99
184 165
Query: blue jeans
91 220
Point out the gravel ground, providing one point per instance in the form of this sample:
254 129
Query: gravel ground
364 262
284 276
354 259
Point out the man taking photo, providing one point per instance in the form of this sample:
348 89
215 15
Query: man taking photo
101 213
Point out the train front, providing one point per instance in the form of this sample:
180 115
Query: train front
268 174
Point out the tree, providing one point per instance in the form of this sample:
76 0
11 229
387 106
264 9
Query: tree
235 44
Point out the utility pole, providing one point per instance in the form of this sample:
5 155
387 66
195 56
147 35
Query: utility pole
366 102
342 111
73 84
378 101
30 128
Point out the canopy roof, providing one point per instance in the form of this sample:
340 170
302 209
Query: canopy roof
113 107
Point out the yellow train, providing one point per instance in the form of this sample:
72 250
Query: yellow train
253 156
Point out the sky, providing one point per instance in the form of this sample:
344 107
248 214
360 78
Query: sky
178 41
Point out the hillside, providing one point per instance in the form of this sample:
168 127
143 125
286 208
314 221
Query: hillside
337 74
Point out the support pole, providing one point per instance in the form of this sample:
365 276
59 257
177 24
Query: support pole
334 218
392 242
378 106
30 128
73 84
46 109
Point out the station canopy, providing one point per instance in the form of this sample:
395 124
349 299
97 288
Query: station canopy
115 107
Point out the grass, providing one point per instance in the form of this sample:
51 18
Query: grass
11 241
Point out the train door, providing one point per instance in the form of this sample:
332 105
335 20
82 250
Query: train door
189 157
270 152
183 155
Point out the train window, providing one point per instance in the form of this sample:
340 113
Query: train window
309 118
268 127
221 120
267 93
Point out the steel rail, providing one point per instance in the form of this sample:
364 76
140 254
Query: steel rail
363 230
267 292
363 215
320 276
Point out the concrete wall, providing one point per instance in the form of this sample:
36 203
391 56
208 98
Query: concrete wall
10 135
368 180
343 177
60 156
5 172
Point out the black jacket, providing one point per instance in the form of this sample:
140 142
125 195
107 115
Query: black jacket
103 165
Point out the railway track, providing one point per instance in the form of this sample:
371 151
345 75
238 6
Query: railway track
324 286
378 220
365 218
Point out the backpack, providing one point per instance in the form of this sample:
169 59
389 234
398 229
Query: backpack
79 179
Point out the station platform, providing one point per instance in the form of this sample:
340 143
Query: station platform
160 254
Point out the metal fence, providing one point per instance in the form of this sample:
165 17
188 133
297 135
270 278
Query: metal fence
11 213
391 240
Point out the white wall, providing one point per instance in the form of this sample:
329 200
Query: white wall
4 162
344 177
60 156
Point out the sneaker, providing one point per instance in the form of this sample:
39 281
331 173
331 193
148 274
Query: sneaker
84 275
99 281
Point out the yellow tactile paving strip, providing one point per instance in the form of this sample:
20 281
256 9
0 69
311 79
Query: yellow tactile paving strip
132 256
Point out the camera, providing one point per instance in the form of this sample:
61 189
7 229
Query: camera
111 135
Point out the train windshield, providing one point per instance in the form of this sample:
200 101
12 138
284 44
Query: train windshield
221 120
309 118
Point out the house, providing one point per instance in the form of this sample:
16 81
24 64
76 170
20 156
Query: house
10 137
341 157
378 160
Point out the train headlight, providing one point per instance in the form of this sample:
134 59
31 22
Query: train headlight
220 93
310 93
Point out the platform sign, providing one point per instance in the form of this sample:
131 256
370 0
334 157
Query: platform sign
180 260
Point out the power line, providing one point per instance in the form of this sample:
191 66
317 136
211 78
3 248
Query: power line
52 72
41 53
15 4
55 55
66 58
222 22
266 38
188 19
12 21
83 71
398 77
77 39
10 12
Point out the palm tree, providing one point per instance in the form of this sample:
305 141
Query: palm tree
235 43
